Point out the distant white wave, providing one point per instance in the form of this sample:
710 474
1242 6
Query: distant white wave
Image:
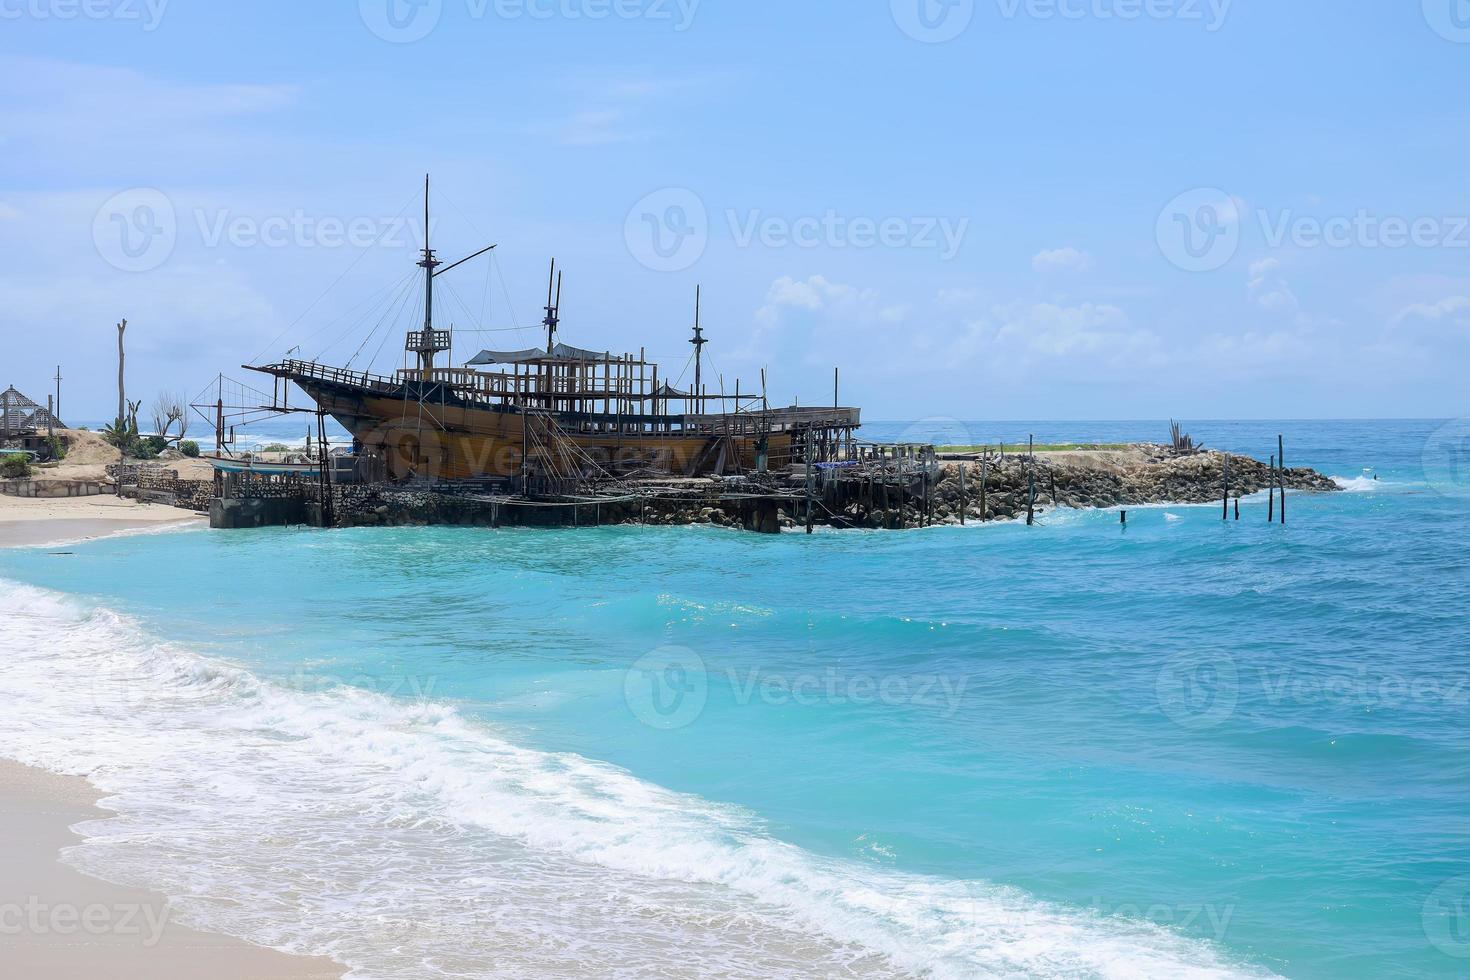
408 841
1359 484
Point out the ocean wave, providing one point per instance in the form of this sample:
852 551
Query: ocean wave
1358 484
407 840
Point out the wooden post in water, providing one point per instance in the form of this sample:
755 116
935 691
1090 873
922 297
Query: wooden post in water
808 482
1030 480
984 473
964 500
1030 497
1281 455
1123 518
1271 507
1237 506
1225 476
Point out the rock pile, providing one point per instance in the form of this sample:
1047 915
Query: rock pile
1154 476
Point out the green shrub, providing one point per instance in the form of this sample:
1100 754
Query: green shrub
155 444
189 448
276 447
15 466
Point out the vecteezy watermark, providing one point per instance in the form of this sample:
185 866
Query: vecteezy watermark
1198 690
670 229
1199 231
299 229
1449 18
1446 459
834 230
1363 229
668 688
1203 690
34 917
937 21
1191 918
147 14
406 21
778 689
137 230
1446 918
1212 14
992 909
933 21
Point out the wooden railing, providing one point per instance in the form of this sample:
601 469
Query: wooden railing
334 375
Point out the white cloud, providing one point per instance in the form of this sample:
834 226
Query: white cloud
1269 290
818 293
1455 309
1066 259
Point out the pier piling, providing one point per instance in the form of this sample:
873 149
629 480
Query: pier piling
1281 455
1271 507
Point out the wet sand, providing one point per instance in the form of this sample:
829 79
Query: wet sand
58 923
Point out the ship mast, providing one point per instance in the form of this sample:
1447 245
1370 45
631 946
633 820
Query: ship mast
553 308
698 343
430 341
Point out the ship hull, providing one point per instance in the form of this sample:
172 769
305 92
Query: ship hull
449 439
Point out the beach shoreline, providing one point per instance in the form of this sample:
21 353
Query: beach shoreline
34 522
57 922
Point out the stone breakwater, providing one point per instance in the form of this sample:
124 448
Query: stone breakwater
1147 475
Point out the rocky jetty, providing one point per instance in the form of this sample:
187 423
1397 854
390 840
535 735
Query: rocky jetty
1142 475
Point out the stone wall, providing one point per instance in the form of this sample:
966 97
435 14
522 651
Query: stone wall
53 488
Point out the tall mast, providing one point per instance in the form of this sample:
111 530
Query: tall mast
698 343
553 307
428 263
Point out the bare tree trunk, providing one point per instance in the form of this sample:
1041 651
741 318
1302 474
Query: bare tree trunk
122 406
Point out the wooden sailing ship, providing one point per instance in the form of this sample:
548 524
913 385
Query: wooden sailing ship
552 417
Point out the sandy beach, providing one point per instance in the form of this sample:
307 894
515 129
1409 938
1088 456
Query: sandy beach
28 521
58 923
54 921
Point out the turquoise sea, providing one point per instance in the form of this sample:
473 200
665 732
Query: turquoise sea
1187 747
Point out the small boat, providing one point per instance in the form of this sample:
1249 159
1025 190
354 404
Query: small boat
261 468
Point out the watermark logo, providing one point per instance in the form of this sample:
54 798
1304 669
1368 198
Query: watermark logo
933 21
406 21
1211 13
668 230
667 689
834 230
136 230
1198 690
34 917
1199 231
148 14
400 21
1449 18
1446 918
1446 459
1363 229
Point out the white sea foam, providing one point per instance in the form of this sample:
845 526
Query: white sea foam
409 841
1358 484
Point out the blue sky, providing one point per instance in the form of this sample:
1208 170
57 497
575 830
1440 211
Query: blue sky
987 209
